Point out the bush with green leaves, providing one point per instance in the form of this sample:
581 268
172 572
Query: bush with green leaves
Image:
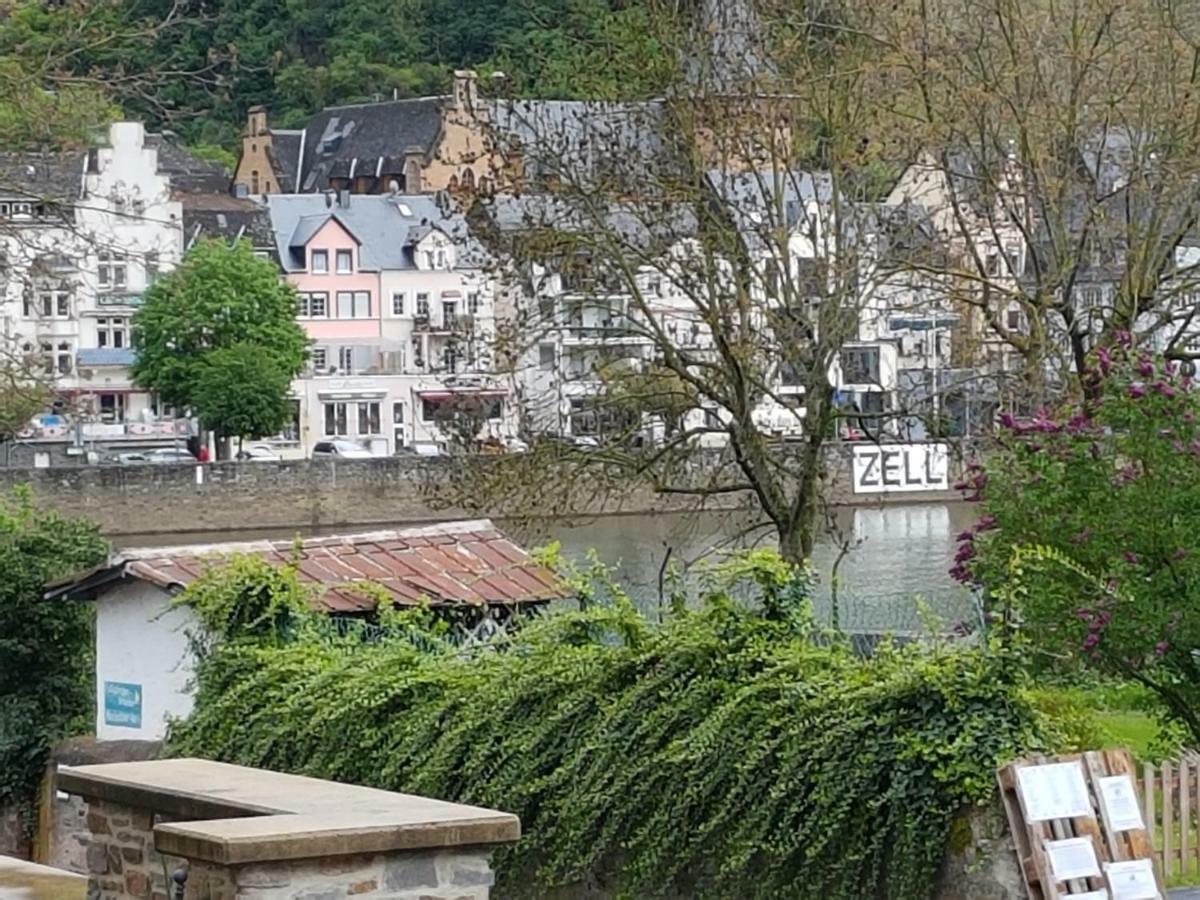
1088 545
46 662
722 753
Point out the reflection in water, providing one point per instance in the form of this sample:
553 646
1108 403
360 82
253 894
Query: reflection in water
895 577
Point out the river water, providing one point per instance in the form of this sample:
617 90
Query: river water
894 578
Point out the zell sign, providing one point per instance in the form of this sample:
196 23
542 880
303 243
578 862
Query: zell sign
883 468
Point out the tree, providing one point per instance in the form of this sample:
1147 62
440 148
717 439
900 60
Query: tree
239 393
221 298
724 245
46 690
1087 545
25 391
1058 149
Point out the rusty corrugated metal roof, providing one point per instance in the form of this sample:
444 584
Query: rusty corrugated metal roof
455 563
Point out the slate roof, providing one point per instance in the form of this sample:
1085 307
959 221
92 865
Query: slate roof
284 154
188 174
466 563
367 132
50 175
383 230
227 217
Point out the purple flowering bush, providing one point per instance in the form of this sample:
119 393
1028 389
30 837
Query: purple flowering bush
1088 543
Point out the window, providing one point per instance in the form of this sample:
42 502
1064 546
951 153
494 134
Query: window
319 262
151 267
254 182
345 262
429 409
318 305
345 359
112 408
335 419
398 435
110 332
993 263
302 306
398 413
860 365
423 305
63 358
1013 322
47 351
449 313
654 286
397 304
49 303
1016 260
368 418
354 305
546 357
319 357
429 259
473 303
111 272
441 259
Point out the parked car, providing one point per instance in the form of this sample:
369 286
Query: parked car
170 456
340 450
258 453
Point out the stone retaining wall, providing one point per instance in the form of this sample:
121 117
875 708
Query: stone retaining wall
305 494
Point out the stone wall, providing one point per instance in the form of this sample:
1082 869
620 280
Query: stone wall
306 494
121 859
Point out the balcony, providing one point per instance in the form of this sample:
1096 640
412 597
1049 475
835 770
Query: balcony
425 324
61 428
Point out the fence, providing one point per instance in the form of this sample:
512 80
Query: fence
1171 803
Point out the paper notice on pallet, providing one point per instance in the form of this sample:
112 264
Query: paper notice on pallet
1119 799
1072 858
1132 880
1054 791
1090 895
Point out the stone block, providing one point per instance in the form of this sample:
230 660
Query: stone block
410 871
141 819
97 859
97 823
468 871
263 877
363 887
132 855
137 884
115 863
321 894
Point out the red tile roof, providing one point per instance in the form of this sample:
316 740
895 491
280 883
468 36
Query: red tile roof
455 563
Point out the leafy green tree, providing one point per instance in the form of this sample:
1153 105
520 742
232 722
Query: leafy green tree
219 298
1088 545
45 647
239 393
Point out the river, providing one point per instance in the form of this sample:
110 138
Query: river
893 579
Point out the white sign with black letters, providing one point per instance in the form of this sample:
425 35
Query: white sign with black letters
883 468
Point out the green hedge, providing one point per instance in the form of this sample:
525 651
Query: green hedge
721 754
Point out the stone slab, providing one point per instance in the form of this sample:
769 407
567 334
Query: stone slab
21 880
240 815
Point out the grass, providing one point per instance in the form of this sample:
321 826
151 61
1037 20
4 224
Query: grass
1135 731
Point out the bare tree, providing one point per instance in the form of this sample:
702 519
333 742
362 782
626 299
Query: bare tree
693 276
1057 146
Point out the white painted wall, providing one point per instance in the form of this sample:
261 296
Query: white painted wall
137 643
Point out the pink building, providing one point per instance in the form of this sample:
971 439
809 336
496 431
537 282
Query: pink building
339 288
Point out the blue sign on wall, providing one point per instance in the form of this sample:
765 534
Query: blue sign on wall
122 704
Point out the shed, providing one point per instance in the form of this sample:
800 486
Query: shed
469 570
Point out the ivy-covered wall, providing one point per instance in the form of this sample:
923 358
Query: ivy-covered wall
722 753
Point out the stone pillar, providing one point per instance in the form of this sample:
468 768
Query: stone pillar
121 858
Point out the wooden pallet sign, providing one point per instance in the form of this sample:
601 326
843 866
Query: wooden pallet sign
1079 828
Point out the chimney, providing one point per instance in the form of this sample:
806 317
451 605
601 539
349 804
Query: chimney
466 90
343 198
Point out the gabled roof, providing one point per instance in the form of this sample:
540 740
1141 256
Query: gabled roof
453 564
228 218
188 174
338 136
382 225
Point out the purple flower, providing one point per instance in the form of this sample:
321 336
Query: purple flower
1130 557
1161 648
1090 643
1161 387
1179 554
1007 420
985 523
1145 368
1105 360
1124 338
1136 392
965 536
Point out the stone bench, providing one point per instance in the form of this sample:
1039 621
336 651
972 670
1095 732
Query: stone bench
250 833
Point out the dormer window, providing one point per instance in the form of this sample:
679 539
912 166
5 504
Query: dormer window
345 262
441 259
319 262
429 259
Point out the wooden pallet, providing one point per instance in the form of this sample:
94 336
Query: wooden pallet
1108 844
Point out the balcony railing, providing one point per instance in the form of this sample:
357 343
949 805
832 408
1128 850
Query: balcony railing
459 324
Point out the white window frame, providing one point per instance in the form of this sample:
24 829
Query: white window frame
323 256
399 300
348 256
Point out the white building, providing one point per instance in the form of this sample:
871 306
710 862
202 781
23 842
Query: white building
84 234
